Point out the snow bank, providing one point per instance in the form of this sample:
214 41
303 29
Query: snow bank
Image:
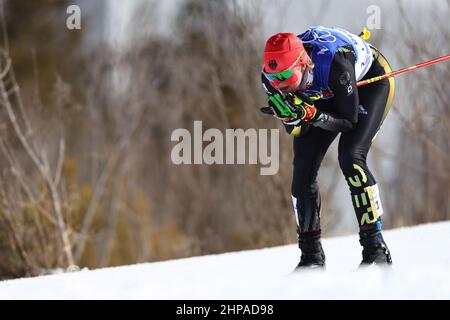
420 271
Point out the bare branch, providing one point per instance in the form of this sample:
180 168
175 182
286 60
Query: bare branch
60 162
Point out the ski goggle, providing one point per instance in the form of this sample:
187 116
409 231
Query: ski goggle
283 75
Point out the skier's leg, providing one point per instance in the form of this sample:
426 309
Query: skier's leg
354 146
308 155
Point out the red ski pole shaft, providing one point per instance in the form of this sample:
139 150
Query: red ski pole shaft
404 70
326 94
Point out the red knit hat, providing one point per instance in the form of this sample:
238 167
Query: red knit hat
281 51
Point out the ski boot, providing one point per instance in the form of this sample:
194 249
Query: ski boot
313 256
375 250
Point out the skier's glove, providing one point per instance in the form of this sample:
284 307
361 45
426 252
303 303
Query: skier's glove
283 108
306 110
287 113
292 109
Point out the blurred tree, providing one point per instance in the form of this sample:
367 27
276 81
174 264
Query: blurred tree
41 46
422 185
45 66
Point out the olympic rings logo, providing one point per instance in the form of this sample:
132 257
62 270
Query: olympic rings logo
311 35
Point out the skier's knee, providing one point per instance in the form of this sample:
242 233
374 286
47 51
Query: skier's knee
304 187
348 159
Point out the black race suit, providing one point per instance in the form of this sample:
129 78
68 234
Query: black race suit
358 113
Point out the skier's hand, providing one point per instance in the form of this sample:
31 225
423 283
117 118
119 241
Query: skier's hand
289 109
282 108
305 110
292 109
279 105
293 129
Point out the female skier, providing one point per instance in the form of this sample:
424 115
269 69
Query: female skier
311 83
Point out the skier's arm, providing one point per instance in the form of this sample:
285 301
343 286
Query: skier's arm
342 82
308 113
331 123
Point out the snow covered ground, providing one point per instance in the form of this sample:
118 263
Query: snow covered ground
421 270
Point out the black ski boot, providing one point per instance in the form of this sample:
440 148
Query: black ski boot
375 250
313 256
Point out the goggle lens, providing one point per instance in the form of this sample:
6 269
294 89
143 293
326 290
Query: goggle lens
281 76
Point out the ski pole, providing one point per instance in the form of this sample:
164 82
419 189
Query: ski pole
404 70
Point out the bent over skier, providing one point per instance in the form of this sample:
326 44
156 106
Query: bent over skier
330 60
